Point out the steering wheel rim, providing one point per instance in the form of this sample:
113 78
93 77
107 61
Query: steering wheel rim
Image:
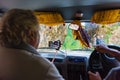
113 47
103 62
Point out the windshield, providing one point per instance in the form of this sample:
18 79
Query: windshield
98 33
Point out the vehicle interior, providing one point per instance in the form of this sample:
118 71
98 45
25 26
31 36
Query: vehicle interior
69 47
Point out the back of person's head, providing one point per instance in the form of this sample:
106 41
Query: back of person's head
19 26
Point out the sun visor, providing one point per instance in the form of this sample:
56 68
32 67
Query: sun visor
49 18
106 16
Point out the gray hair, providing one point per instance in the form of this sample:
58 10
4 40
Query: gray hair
18 26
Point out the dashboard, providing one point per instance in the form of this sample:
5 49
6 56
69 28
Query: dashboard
72 65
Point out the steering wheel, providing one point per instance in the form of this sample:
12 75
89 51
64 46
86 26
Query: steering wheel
102 62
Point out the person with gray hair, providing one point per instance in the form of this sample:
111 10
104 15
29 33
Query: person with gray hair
19 39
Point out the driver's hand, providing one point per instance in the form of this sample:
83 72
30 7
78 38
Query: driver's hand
94 76
102 48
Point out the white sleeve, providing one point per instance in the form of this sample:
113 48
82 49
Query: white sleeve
53 73
113 74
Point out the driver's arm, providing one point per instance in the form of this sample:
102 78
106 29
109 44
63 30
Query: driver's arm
112 75
104 49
